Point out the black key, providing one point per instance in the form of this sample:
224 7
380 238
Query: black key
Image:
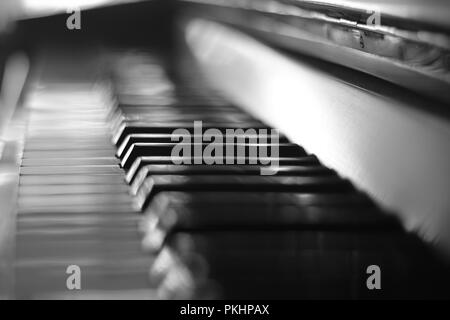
232 217
305 171
167 138
183 121
168 117
141 162
156 184
172 114
165 200
293 264
160 127
242 149
180 108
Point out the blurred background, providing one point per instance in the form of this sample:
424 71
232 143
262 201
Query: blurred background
369 97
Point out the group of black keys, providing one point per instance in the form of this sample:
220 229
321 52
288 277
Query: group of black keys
226 231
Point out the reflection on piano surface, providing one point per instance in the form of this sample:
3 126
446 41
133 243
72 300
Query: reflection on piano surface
88 177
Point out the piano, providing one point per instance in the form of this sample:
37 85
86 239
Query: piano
96 204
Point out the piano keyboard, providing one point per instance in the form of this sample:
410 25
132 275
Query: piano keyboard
99 190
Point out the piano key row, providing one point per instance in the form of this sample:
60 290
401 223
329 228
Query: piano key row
206 230
227 231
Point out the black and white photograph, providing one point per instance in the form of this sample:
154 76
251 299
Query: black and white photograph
225 154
